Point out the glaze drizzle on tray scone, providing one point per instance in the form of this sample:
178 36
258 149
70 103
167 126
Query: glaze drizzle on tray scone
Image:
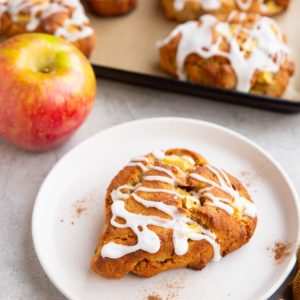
246 52
62 18
109 8
169 210
185 10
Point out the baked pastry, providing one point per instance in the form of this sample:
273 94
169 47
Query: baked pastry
171 210
109 8
246 52
62 18
185 10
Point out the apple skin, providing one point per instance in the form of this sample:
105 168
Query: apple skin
47 88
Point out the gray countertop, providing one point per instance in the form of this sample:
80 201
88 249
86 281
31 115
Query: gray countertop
21 173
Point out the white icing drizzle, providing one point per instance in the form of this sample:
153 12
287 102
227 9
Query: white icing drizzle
159 178
152 190
182 173
218 202
159 154
147 239
263 50
141 158
189 159
138 164
74 28
243 205
206 4
178 222
246 5
216 4
164 170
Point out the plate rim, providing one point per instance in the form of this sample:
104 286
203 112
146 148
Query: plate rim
34 225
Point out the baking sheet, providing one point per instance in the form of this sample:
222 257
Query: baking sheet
128 43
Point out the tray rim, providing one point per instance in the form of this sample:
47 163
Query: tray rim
206 92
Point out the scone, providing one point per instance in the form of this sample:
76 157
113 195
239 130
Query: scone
170 210
185 10
62 18
109 8
245 52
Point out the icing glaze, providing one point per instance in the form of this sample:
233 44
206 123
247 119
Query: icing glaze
147 239
152 190
138 164
141 158
189 159
164 170
158 154
216 4
73 28
159 178
183 227
263 50
243 205
246 5
206 4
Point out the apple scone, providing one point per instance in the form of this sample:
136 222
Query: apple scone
109 8
245 52
185 10
62 18
171 209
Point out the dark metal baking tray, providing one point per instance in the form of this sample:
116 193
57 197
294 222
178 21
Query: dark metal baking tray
201 91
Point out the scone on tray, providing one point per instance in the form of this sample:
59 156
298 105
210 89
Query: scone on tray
109 8
171 209
62 18
243 52
185 10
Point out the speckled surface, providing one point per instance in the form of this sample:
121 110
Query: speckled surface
21 173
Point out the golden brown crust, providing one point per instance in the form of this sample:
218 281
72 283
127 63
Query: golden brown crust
232 230
217 71
109 8
192 10
10 27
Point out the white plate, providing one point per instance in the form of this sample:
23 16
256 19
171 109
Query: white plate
65 236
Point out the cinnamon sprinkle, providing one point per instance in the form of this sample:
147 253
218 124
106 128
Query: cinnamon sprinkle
80 210
79 207
154 297
169 289
249 178
280 251
174 288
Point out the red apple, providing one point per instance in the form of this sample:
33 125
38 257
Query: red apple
47 88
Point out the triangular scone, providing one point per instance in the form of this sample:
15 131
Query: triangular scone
62 18
171 210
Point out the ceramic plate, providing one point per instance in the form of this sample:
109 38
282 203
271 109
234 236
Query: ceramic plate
68 215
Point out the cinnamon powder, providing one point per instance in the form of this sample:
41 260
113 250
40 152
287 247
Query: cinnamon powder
80 210
280 251
170 290
154 297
